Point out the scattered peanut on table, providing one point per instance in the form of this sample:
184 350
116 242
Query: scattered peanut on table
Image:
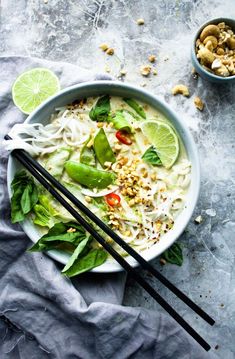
104 47
145 70
110 51
152 58
180 90
215 49
198 103
140 21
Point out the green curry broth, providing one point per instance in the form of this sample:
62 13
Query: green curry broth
140 144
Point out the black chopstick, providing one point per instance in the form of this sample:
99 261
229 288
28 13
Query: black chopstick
139 279
144 264
22 157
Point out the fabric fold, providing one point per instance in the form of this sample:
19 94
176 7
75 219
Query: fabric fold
46 315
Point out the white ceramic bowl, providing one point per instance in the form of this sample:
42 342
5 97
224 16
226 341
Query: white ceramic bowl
96 88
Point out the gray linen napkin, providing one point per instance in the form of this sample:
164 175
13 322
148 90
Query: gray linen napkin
45 315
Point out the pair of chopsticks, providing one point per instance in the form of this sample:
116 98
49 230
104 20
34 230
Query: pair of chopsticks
52 185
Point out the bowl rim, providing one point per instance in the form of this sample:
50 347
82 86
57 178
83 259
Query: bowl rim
212 21
173 118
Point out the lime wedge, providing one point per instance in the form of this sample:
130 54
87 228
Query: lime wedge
33 87
163 137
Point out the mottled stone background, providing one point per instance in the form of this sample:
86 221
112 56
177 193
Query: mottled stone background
69 30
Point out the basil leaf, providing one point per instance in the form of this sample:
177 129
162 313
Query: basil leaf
101 109
138 108
25 200
76 253
174 254
120 122
151 156
25 196
17 214
59 233
94 258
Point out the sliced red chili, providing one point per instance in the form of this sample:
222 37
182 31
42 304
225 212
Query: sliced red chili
113 199
123 137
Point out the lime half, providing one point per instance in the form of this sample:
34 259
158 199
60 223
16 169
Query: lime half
163 137
33 87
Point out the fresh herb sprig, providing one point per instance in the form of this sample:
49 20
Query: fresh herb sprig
25 196
101 109
174 254
150 156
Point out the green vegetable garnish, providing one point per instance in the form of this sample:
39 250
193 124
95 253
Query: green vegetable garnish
72 237
44 212
103 150
120 122
133 104
174 254
92 259
89 176
87 155
58 234
42 216
25 196
151 156
101 109
56 161
76 254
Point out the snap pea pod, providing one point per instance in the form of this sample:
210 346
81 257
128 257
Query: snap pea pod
120 122
87 155
89 176
102 148
133 104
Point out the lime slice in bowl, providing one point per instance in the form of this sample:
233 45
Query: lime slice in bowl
163 137
33 87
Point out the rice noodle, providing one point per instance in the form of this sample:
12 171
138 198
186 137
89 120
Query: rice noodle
141 225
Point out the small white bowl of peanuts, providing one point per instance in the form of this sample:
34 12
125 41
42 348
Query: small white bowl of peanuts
213 51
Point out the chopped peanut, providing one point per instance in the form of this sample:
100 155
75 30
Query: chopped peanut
108 164
104 47
135 152
131 203
152 58
198 103
110 51
198 219
145 70
140 21
71 230
117 147
123 161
